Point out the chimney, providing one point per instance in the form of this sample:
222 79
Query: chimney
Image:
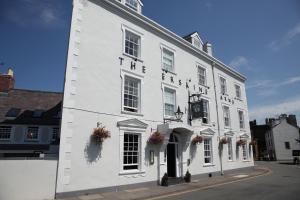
207 47
291 119
7 81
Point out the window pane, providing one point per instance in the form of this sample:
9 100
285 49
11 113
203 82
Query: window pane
168 60
131 94
5 132
132 44
202 76
169 98
131 151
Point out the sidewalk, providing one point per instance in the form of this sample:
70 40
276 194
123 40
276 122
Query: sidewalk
158 192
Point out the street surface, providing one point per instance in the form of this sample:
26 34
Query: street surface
282 184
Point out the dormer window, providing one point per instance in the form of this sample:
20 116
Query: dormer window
197 43
132 4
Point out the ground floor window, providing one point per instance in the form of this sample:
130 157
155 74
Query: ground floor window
131 155
229 148
244 147
5 132
207 150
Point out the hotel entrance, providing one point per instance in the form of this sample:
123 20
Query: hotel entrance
174 168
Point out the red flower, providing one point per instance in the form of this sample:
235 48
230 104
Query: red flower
156 138
197 140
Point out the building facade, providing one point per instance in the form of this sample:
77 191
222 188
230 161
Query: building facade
130 75
29 120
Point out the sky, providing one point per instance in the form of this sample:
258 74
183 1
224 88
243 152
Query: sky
259 38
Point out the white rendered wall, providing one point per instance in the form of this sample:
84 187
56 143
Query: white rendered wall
282 133
93 93
27 179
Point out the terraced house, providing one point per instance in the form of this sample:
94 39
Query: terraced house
168 105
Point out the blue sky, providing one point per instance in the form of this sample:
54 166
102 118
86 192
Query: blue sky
259 38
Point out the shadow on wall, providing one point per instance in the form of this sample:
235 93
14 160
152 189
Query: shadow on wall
193 150
92 151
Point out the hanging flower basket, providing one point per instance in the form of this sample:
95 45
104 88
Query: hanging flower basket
253 142
100 134
223 140
197 140
156 138
240 142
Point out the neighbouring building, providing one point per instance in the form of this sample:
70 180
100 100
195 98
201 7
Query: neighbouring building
277 139
29 120
130 75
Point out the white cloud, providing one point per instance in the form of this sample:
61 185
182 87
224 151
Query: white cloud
273 84
289 106
240 61
269 87
286 39
45 13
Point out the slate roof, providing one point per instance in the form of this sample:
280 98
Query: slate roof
28 101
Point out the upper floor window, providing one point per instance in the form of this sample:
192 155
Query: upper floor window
168 60
170 101
208 151
131 94
32 133
202 75
55 134
226 114
223 85
238 91
131 153
197 43
132 44
5 132
205 104
132 4
241 119
287 145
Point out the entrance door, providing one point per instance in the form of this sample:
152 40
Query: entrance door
173 157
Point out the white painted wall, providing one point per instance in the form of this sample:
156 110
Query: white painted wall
27 179
282 133
93 93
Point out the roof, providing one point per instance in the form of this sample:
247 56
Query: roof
20 106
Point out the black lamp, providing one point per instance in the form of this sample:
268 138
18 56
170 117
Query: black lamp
178 114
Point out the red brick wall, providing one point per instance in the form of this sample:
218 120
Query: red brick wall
7 83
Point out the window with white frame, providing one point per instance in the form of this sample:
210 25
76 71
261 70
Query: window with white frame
226 114
132 44
207 150
238 93
223 85
197 43
132 4
131 151
131 94
244 149
229 145
202 75
32 133
55 134
170 101
241 119
168 60
5 132
205 118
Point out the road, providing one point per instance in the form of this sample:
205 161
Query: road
283 183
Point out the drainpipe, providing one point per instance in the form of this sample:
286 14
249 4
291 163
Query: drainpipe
218 122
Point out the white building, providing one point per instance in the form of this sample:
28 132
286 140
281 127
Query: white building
281 137
129 74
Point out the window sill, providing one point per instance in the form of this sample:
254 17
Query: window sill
130 172
246 160
224 94
227 127
134 58
35 141
239 99
166 71
5 140
229 160
203 85
208 165
131 113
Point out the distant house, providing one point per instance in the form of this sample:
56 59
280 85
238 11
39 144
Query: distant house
29 120
277 138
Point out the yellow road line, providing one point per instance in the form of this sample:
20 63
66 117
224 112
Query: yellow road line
211 186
